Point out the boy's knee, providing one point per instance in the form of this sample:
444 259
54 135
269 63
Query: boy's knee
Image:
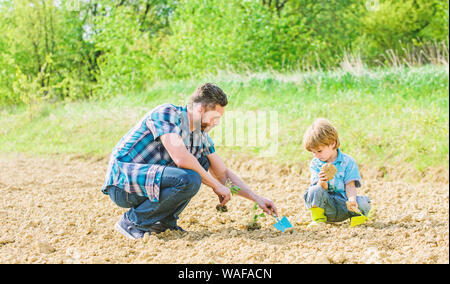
316 190
315 196
363 204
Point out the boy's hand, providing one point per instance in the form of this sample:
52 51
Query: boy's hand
352 205
323 181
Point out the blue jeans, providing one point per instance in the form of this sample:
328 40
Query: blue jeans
177 188
334 203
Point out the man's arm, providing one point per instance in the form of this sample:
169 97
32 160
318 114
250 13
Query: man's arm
183 159
222 173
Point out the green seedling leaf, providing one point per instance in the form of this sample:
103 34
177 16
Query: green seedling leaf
221 208
234 189
254 225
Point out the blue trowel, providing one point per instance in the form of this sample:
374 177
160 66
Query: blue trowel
283 224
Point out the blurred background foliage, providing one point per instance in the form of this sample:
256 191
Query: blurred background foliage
76 49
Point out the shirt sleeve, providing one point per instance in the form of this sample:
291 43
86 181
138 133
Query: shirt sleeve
209 146
163 120
352 173
315 169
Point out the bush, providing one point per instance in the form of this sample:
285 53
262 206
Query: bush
108 47
127 53
229 35
396 24
43 54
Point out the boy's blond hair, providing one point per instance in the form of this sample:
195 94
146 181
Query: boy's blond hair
320 133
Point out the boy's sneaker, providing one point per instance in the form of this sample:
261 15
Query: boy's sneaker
128 229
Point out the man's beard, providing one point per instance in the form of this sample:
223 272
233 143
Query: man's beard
206 128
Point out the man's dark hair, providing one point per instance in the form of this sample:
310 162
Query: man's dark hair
209 95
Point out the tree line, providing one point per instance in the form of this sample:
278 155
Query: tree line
74 49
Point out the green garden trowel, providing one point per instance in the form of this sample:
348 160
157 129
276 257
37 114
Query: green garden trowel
358 220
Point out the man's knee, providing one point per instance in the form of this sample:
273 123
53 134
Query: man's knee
191 181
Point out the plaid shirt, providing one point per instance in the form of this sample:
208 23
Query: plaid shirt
138 160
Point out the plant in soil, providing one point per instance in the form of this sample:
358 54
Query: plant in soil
234 189
254 225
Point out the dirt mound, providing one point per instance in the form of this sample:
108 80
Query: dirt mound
52 211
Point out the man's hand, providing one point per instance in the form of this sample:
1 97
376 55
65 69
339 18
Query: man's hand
223 193
222 173
267 205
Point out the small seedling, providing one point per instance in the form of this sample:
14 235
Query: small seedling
221 208
254 225
234 189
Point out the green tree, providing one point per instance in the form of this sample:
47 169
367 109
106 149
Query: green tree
398 23
332 27
207 36
45 46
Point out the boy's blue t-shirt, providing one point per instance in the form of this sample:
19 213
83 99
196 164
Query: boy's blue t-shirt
347 171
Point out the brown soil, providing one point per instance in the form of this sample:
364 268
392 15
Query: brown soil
253 226
52 211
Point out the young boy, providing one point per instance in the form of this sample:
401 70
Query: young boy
333 200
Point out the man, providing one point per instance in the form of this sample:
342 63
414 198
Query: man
159 165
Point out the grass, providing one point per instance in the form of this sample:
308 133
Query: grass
391 116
